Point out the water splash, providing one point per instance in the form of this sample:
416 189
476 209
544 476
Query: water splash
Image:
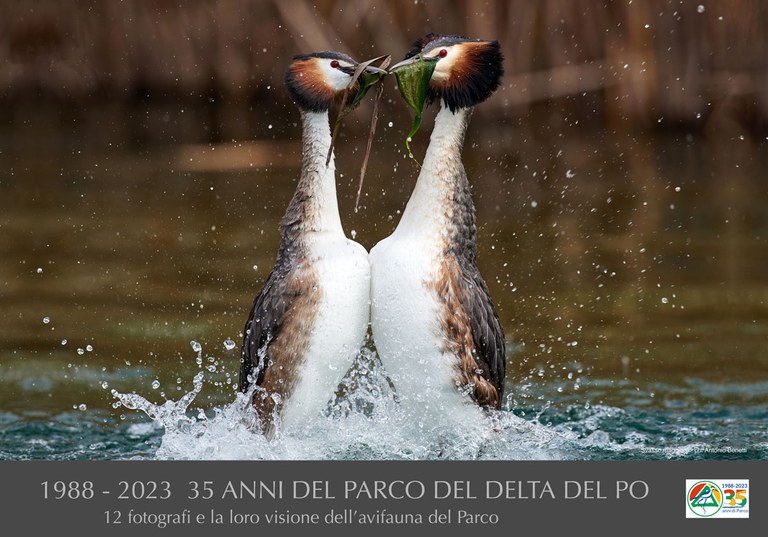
194 436
169 412
363 421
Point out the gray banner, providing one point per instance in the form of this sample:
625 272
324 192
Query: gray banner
377 498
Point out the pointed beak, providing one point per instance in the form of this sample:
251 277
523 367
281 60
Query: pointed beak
410 61
367 69
371 70
365 77
368 75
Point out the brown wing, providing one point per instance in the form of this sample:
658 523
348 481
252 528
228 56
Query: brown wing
277 333
473 332
263 324
488 335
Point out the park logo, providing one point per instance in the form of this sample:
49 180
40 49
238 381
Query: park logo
717 498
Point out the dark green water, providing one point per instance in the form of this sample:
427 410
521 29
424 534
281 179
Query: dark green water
630 274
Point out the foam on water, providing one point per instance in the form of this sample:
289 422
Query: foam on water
363 422
233 432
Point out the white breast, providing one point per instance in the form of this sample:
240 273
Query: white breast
405 321
340 326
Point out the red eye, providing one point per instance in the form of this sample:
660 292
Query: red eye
443 53
334 63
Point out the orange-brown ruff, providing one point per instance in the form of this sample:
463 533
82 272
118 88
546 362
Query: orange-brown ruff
304 78
432 317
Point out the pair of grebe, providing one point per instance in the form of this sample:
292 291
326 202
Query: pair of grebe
432 319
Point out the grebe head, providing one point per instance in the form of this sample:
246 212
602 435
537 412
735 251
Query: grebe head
315 81
466 71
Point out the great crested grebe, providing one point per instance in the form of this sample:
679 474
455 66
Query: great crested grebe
310 319
433 322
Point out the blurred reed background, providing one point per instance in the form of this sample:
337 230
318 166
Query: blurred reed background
641 61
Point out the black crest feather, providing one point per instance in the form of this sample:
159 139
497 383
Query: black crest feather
421 43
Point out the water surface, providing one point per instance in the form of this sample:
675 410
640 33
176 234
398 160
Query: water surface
628 270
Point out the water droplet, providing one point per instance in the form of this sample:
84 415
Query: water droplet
570 174
39 270
255 267
196 346
46 320
700 8
353 233
229 344
104 384
534 204
63 341
269 126
155 384
82 406
664 300
80 351
89 348
390 124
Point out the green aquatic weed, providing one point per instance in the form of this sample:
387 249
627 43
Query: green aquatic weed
413 83
365 81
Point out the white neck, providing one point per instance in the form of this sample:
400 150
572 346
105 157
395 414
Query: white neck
317 186
442 169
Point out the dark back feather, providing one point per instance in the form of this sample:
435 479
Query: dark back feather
487 333
263 325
